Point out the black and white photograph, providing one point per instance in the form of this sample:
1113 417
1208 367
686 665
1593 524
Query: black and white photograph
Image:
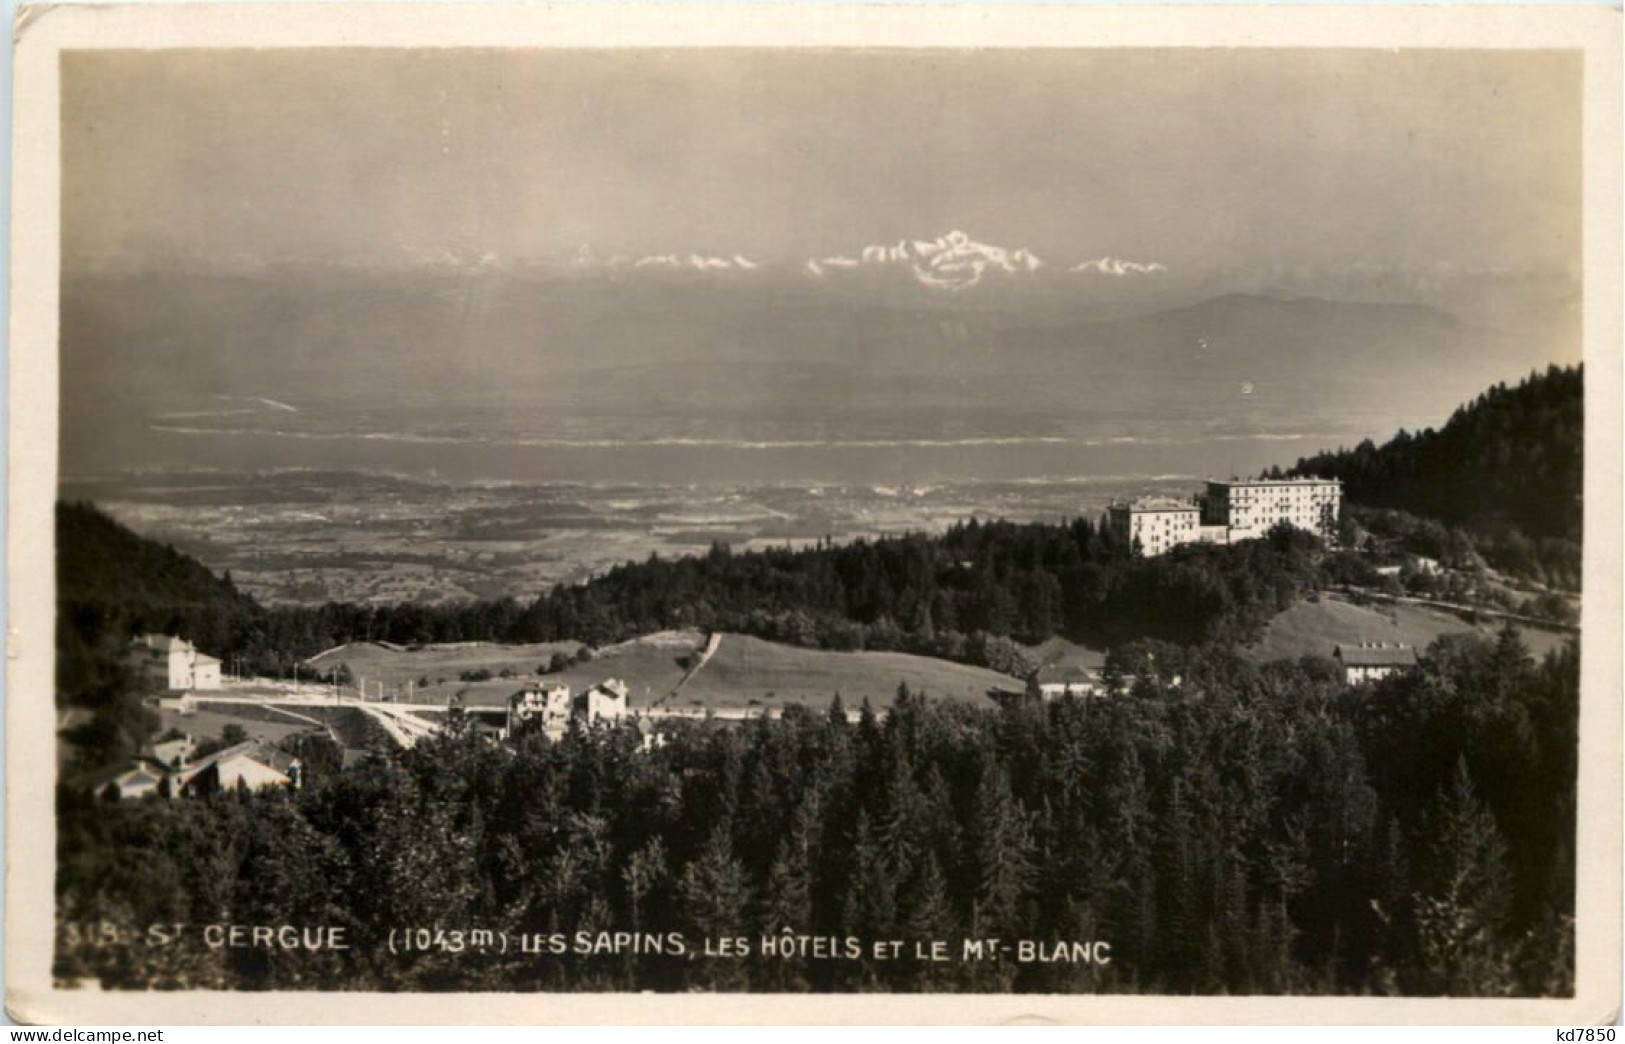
1068 520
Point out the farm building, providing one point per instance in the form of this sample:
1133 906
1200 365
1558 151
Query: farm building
1054 682
1373 661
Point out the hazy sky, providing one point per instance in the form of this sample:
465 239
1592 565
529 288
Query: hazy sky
1197 158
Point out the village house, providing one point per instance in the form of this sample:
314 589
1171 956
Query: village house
167 771
550 707
544 707
605 701
133 780
1374 661
174 664
252 765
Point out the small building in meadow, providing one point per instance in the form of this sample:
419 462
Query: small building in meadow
1373 661
1056 681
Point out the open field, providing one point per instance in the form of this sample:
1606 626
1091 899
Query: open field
1313 628
651 666
744 672
208 724
748 669
395 666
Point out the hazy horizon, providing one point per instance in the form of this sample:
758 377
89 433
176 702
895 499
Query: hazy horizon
1244 160
761 284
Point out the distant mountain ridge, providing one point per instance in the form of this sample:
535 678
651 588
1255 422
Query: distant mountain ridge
951 262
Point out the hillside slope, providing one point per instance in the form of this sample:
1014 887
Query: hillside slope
1511 457
748 671
112 584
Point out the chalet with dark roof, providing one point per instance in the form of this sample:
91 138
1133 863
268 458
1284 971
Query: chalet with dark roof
1373 661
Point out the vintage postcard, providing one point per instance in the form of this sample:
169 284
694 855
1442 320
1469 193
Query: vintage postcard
663 513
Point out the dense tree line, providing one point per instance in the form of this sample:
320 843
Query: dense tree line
1259 829
1552 561
1507 468
954 595
945 595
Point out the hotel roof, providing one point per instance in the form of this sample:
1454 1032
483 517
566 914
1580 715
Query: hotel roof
1307 481
1158 504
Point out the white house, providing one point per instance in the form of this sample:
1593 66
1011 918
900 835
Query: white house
550 707
545 707
174 664
605 701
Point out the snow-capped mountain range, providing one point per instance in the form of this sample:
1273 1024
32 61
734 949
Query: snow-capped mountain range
585 257
1113 266
950 262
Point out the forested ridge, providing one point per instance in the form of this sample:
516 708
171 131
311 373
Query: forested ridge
1027 581
1508 468
1256 830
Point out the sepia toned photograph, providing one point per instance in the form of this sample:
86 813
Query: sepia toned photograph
744 519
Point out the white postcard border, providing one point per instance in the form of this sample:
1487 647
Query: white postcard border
42 33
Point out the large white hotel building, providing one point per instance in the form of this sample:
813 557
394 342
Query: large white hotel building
1241 509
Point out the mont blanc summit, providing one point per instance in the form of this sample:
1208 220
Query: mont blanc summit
953 261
